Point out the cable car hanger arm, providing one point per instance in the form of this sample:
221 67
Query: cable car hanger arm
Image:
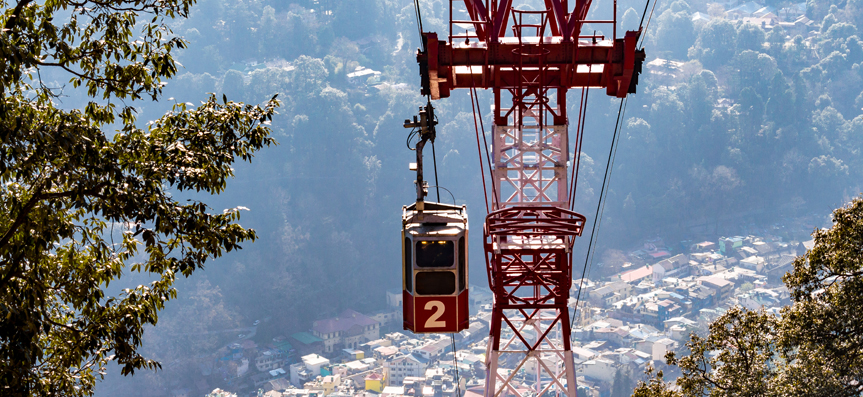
425 124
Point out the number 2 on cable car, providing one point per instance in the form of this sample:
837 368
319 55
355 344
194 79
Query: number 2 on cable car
433 321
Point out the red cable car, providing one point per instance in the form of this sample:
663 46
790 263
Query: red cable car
435 267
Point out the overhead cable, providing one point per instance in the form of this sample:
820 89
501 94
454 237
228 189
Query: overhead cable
600 205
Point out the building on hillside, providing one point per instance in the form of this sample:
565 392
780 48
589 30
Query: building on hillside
475 332
395 299
533 368
755 263
305 343
393 391
704 246
282 344
307 370
221 393
664 71
800 26
269 359
763 248
384 353
277 385
398 368
635 276
434 349
661 347
779 267
722 287
374 382
743 10
676 266
300 393
349 330
610 293
326 384
369 347
388 319
727 245
263 378
364 75
601 369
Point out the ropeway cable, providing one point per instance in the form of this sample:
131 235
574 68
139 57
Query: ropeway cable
600 205
455 366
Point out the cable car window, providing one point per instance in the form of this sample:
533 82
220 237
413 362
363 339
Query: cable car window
407 265
435 253
461 263
435 283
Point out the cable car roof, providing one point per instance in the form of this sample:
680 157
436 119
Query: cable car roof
432 213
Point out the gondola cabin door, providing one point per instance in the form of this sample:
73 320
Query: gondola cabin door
435 268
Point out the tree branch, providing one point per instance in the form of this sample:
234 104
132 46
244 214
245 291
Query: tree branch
14 18
22 215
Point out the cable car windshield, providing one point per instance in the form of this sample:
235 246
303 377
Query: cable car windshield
435 283
435 253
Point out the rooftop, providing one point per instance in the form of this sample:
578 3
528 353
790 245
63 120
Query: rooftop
637 274
345 321
306 338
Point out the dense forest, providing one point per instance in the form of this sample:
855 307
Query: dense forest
749 126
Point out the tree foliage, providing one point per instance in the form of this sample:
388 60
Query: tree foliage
82 205
814 348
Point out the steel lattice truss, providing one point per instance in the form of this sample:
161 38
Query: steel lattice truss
529 59
530 164
527 252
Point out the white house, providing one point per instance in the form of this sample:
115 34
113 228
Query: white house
599 368
403 366
433 349
307 370
661 347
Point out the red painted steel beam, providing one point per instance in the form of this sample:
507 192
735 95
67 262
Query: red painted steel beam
577 18
611 64
501 17
478 14
557 17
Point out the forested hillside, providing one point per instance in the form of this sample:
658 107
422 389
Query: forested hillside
743 124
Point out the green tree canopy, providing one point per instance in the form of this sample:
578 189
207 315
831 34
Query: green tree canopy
82 205
750 37
674 33
715 44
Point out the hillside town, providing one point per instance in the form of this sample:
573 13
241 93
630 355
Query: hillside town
629 321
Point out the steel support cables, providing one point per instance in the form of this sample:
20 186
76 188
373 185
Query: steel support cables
478 114
455 366
419 22
600 205
434 163
479 154
648 20
582 118
575 150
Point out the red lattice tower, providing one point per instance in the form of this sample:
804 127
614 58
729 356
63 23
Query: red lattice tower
529 59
